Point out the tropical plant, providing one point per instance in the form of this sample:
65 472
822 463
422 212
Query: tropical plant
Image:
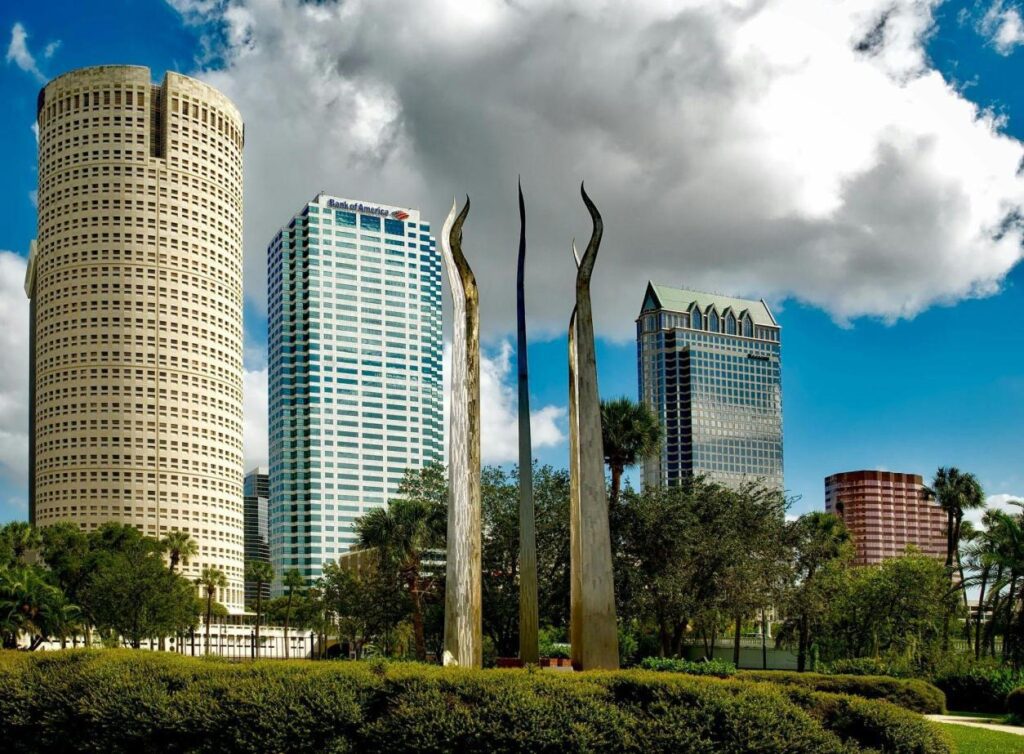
821 542
30 604
180 548
16 539
210 580
260 572
292 581
401 535
630 432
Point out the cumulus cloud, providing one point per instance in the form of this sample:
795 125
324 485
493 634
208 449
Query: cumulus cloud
1003 26
254 417
1001 502
14 341
499 409
784 148
18 53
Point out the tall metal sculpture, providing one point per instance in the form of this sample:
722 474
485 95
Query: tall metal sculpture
592 586
463 627
528 621
575 616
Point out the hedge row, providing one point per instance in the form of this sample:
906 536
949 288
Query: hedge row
979 688
718 668
909 693
123 701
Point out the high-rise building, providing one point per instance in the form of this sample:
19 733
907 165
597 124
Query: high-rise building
885 511
709 368
256 492
136 290
354 329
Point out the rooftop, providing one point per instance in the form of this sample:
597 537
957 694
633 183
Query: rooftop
681 300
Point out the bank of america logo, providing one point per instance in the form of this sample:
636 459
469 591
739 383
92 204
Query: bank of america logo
399 215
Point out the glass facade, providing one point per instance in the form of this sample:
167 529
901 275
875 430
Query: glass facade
710 368
256 491
355 380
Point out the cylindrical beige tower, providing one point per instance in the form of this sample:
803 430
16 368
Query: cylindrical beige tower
136 288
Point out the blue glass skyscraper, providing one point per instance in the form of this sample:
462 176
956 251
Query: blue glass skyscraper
355 370
710 369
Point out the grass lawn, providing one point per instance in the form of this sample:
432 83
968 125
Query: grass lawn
980 741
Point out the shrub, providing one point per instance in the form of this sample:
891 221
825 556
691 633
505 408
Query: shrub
870 666
1015 702
978 687
123 701
719 668
909 693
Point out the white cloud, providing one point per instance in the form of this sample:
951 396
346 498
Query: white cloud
1003 26
18 53
499 409
254 417
1000 502
51 49
14 341
763 147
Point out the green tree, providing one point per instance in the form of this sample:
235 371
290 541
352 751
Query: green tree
16 539
130 592
67 553
956 492
821 543
402 534
894 610
262 573
30 604
180 548
293 581
210 580
630 432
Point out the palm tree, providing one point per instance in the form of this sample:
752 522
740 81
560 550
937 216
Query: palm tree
30 604
292 580
401 534
19 537
180 547
210 580
630 432
955 492
262 573
981 559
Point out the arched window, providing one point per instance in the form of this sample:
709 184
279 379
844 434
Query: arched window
748 326
713 321
696 321
730 324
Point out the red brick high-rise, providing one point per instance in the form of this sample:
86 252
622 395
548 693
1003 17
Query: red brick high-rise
885 511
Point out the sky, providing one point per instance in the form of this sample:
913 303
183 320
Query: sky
858 164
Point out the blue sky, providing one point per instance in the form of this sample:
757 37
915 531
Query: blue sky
906 355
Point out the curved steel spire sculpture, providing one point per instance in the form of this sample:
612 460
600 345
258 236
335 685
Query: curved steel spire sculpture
463 628
592 583
528 620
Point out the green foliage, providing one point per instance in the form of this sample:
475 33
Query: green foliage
129 592
1015 702
895 610
30 604
908 693
978 687
697 554
870 666
718 668
116 701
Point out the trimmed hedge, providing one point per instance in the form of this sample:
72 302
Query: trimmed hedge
125 701
979 688
717 668
909 693
1015 703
